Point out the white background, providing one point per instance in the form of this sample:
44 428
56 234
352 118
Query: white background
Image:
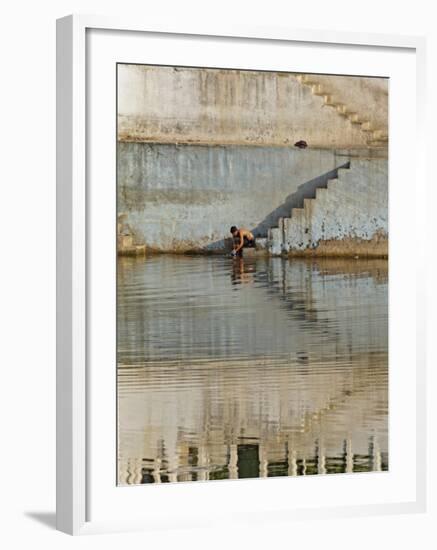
28 267
196 505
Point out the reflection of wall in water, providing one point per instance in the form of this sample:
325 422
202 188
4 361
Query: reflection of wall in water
272 364
282 407
306 312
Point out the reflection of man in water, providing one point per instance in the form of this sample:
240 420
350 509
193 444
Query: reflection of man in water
243 238
243 273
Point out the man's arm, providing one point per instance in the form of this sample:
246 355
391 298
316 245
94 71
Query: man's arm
238 247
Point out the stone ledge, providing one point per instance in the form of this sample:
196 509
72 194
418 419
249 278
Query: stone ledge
347 247
135 250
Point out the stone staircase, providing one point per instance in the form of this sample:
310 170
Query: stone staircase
350 106
349 216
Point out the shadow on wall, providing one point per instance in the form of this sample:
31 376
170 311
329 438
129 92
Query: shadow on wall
296 200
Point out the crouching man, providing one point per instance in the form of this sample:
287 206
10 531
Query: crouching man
243 238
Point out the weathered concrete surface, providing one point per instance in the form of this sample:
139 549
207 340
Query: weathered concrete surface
224 106
349 96
376 247
349 217
203 149
186 197
126 242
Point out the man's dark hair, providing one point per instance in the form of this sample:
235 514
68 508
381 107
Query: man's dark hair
233 229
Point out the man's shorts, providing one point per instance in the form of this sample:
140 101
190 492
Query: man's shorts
247 243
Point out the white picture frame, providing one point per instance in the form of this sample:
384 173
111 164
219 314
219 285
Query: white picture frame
73 299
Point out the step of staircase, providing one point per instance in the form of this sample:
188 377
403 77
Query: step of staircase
297 224
375 138
296 233
321 193
276 242
317 90
329 100
332 184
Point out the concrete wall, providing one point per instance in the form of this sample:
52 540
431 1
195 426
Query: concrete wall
202 149
186 197
223 106
366 97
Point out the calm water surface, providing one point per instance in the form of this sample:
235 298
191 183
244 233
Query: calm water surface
250 368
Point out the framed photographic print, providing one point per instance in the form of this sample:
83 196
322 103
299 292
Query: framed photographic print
240 335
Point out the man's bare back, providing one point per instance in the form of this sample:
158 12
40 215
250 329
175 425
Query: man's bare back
242 238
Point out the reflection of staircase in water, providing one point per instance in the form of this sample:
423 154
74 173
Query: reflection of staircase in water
302 296
323 411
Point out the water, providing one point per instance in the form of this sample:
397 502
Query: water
250 368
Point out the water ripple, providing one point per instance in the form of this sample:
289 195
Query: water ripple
236 368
